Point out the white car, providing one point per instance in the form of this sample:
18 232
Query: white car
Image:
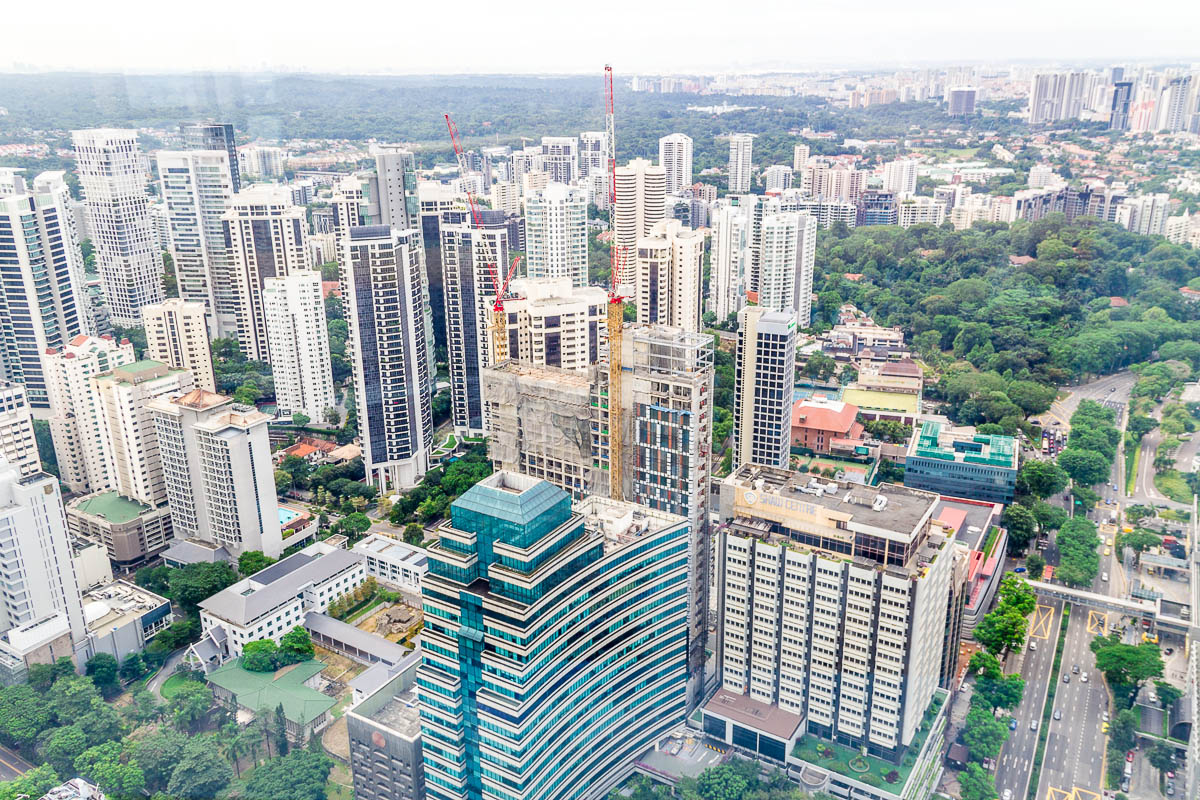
1083 677
1104 576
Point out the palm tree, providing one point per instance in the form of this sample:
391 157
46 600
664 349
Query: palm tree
241 745
264 728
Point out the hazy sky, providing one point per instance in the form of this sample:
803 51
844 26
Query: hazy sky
540 36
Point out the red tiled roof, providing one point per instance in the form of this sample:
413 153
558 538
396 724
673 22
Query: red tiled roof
952 518
824 416
1117 302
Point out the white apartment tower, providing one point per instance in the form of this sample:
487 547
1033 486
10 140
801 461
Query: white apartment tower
113 177
18 446
900 176
730 259
197 186
593 154
741 149
41 613
382 289
787 256
216 466
1145 214
641 203
764 380
556 234
675 157
266 234
560 158
777 178
77 422
800 154
474 262
177 335
42 297
554 324
667 276
299 341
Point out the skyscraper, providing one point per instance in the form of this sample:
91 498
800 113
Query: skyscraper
217 472
266 236
177 334
764 380
960 100
800 154
785 271
741 148
730 259
41 297
667 276
900 176
474 263
593 153
382 278
641 195
197 186
214 136
1122 99
556 234
76 421
560 158
113 178
552 323
299 340
494 708
1176 103
675 157
777 178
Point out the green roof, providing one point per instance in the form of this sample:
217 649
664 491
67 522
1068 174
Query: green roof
144 365
112 507
259 690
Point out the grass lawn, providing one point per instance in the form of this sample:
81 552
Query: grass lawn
172 685
362 612
341 706
1133 454
1172 484
339 785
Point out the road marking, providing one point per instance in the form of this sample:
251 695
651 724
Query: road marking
1097 622
13 767
1039 627
1053 793
1076 793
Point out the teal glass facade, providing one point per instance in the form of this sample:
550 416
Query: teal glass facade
557 655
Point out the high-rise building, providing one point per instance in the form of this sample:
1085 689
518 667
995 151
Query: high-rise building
506 197
177 335
730 259
675 157
217 471
1122 99
560 158
667 276
214 136
960 100
41 616
554 324
833 182
1055 96
787 259
777 177
1176 104
593 153
800 155
262 161
764 380
197 186
41 297
741 173
18 446
834 600
76 418
641 195
299 340
556 736
382 292
384 729
474 264
918 210
133 463
878 207
1145 214
266 236
900 176
113 177
556 234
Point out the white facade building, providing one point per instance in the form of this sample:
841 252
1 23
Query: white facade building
593 154
900 176
267 236
787 257
730 260
299 341
741 172
560 158
641 198
668 276
217 471
113 177
1145 214
777 178
556 234
18 446
915 210
800 155
394 562
77 423
554 324
506 197
177 334
675 157
764 380
42 298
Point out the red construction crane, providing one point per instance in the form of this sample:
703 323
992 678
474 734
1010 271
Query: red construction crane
499 320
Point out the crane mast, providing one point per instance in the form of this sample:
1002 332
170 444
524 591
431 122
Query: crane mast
616 303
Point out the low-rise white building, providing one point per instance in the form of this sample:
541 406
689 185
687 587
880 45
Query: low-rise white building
393 561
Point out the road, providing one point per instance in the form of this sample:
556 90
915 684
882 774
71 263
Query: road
168 669
12 765
1016 759
1074 759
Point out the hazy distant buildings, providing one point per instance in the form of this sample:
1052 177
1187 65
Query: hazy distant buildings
900 176
800 154
593 154
741 148
113 176
960 100
1122 100
177 334
675 157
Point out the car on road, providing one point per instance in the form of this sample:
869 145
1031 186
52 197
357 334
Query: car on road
1066 678
1018 570
1007 794
1170 788
1058 713
1114 487
1033 724
1012 723
1169 651
1108 551
1125 784
1104 576
1113 389
1033 646
1083 677
1104 728
1129 756
1104 716
1075 670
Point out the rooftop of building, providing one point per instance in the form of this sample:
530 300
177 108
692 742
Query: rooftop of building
201 400
401 713
562 377
115 605
144 370
878 400
970 520
250 598
111 507
379 544
745 711
820 413
269 690
74 789
619 522
946 443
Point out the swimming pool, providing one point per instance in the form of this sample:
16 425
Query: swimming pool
286 515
